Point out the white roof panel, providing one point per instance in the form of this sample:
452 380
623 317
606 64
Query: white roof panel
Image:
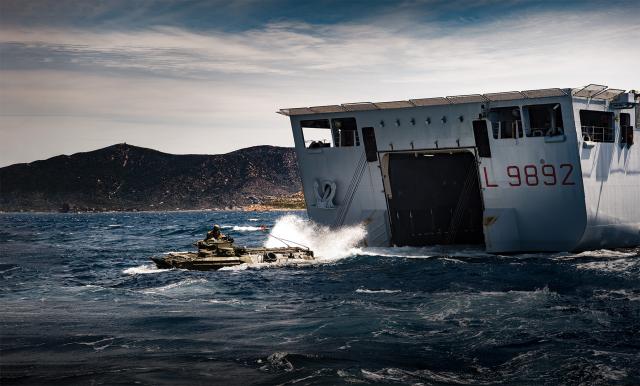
608 94
296 111
327 109
474 98
430 101
504 96
359 106
393 105
589 91
544 93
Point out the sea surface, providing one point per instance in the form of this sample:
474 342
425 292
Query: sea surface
81 304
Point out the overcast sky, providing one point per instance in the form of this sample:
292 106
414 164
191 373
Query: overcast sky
208 76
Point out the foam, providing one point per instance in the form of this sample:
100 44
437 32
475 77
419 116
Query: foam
327 244
239 228
142 270
240 267
247 228
435 251
612 266
287 263
630 295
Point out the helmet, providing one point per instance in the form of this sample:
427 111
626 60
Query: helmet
216 227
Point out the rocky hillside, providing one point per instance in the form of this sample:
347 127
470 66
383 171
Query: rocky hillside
125 177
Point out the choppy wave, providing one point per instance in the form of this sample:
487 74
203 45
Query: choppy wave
437 315
378 291
182 283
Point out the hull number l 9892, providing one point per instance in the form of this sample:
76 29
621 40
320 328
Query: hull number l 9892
532 175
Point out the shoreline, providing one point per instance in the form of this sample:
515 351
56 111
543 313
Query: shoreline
240 209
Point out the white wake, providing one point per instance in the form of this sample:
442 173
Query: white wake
326 244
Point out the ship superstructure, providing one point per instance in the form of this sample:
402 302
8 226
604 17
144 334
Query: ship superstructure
536 170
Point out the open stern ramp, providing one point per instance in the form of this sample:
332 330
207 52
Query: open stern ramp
433 198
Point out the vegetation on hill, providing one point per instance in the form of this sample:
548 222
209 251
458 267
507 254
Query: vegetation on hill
126 177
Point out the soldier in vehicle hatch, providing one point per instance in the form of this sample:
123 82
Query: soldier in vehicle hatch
215 234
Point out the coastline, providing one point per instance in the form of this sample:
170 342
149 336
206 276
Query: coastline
236 209
271 204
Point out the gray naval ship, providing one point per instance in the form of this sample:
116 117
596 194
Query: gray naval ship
535 170
216 253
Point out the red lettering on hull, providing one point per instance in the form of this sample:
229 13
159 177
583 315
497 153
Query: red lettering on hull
486 179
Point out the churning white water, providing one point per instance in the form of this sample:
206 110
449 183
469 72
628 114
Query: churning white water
327 244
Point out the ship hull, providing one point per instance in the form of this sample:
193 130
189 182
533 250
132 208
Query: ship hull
450 173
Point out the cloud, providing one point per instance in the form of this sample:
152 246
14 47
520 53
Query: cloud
517 44
192 82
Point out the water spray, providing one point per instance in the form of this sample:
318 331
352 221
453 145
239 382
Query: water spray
326 243
284 241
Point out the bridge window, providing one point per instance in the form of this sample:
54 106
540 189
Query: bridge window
597 126
626 130
316 133
544 120
506 122
345 132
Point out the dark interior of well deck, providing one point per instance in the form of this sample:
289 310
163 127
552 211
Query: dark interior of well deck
435 199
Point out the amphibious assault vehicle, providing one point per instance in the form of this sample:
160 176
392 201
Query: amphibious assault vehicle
215 254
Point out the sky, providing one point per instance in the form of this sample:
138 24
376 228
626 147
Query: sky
207 77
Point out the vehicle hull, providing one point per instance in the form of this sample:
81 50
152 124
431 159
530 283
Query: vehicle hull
204 260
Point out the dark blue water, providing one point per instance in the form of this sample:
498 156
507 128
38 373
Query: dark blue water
80 304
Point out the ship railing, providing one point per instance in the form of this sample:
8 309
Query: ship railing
546 131
597 134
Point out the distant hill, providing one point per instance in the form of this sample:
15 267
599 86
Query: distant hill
126 177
